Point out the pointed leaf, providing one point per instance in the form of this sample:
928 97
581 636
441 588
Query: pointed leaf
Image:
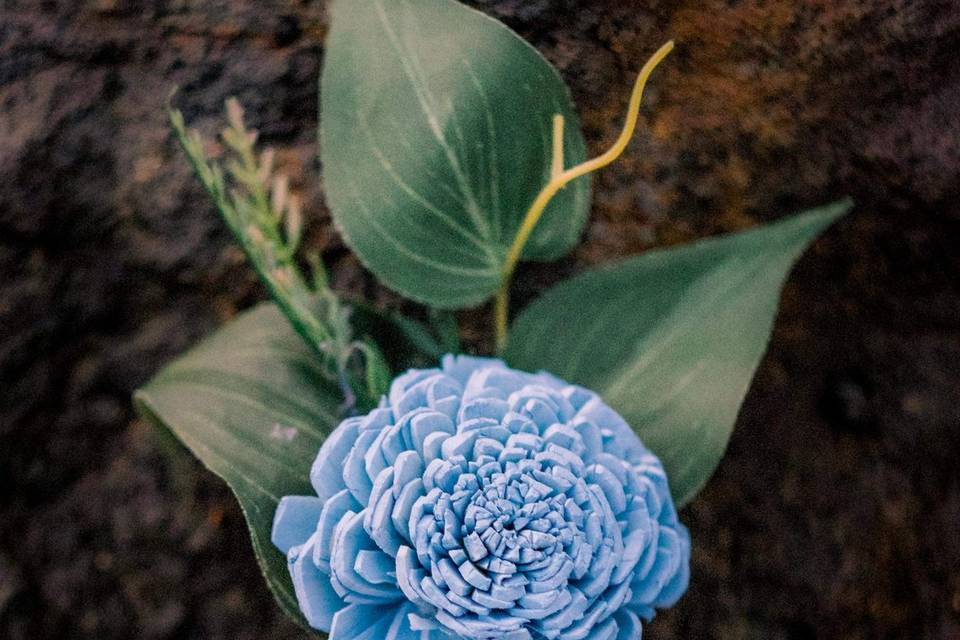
436 136
253 404
671 338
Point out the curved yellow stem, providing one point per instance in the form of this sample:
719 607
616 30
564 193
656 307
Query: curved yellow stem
559 179
556 168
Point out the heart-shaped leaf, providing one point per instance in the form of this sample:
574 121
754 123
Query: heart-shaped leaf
671 338
253 404
436 136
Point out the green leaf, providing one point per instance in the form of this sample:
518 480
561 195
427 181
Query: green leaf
253 403
405 343
436 136
671 338
377 370
447 329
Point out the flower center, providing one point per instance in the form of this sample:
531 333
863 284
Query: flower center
517 517
515 526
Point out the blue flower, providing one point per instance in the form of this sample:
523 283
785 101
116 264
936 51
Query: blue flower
479 502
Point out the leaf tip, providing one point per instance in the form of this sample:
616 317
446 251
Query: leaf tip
830 213
141 405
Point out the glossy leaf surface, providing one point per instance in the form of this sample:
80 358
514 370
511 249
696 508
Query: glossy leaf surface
671 339
436 136
251 402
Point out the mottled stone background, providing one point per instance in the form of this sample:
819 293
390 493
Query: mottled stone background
836 514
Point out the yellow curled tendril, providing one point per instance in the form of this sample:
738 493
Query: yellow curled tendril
559 178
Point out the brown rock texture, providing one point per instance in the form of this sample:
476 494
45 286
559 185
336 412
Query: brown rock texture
836 512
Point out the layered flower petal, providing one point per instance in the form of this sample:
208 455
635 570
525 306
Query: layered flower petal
480 502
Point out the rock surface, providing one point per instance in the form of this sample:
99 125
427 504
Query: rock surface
833 516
